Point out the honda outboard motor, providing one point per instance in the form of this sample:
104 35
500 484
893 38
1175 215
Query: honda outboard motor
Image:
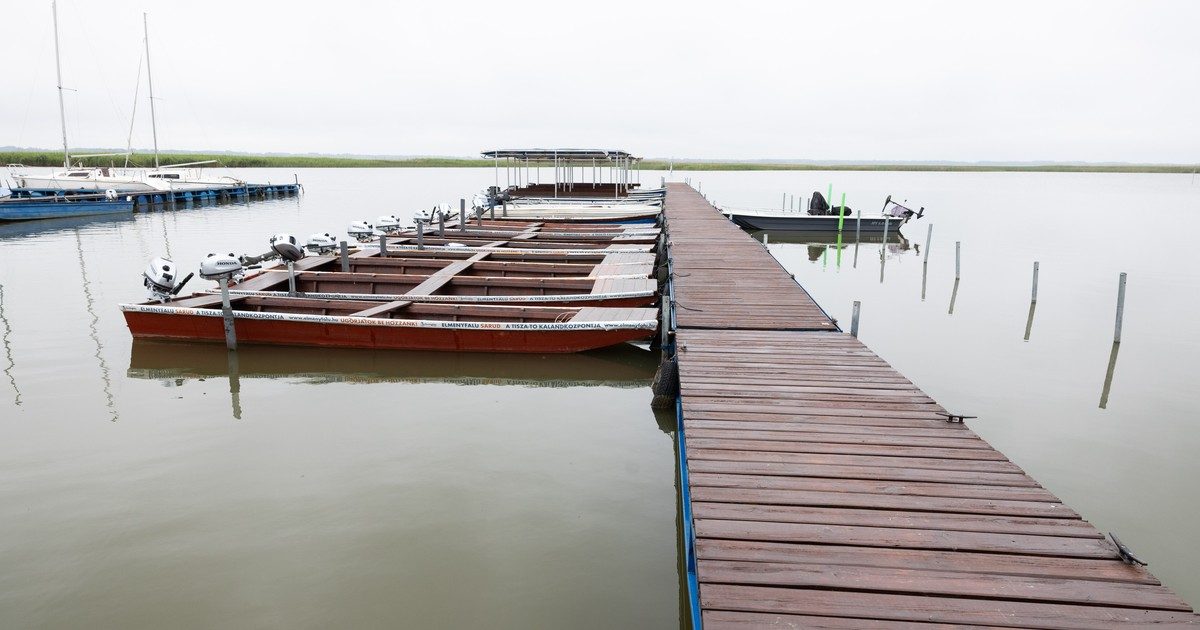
817 205
159 279
496 197
361 231
421 216
285 245
321 243
444 210
388 223
222 267
479 202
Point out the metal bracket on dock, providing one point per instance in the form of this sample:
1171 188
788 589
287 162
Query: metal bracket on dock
1126 555
954 417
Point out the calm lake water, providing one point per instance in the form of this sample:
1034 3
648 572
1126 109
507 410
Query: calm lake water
155 485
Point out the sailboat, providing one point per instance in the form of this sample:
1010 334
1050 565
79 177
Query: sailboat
91 179
73 179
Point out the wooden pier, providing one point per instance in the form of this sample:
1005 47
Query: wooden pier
821 489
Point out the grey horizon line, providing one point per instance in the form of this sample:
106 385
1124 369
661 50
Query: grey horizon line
815 161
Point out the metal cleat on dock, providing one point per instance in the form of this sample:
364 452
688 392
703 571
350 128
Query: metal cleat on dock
954 417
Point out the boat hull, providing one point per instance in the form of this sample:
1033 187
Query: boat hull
81 184
29 209
332 334
808 223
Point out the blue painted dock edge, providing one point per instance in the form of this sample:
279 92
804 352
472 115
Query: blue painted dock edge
685 495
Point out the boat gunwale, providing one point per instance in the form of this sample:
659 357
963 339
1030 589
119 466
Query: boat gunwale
349 320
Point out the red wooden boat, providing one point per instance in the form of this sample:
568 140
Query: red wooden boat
399 325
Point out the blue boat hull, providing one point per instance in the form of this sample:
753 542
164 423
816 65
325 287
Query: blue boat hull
55 208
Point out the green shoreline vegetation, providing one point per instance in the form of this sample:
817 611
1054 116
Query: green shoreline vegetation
52 158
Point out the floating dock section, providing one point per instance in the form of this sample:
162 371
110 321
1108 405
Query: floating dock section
219 193
820 487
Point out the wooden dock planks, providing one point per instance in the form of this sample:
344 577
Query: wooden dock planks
724 279
826 492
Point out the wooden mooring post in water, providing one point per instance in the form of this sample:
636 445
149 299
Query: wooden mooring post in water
1120 308
1035 281
928 240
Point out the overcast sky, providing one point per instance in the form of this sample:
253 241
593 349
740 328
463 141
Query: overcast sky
890 80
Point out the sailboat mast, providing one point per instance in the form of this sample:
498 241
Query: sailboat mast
150 81
62 110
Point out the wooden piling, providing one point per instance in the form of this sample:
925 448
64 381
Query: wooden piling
928 240
1035 281
227 315
1120 308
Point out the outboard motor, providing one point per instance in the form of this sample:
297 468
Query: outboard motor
222 267
159 279
321 243
110 194
421 216
361 231
444 210
388 223
285 245
479 202
817 205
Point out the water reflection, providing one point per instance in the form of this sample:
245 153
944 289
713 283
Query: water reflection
819 243
10 364
235 383
1029 321
924 278
621 366
953 296
1108 376
93 325
47 227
